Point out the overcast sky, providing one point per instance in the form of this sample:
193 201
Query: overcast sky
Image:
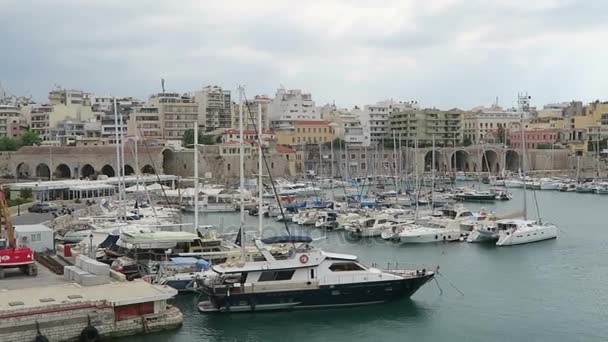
443 53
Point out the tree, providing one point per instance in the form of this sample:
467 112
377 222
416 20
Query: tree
26 193
467 141
203 139
30 138
8 144
336 142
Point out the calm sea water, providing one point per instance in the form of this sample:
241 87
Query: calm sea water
548 291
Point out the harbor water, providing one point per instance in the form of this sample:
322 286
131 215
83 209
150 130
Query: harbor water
548 291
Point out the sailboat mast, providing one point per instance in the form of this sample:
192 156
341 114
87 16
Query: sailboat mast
260 172
121 169
117 142
416 173
433 174
196 189
523 146
242 171
331 177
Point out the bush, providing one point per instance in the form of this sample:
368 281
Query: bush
26 193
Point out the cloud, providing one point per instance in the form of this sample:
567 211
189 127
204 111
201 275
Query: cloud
443 53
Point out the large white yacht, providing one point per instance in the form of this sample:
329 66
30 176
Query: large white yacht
293 274
517 232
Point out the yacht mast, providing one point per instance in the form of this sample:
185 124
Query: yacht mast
196 189
433 175
260 172
117 142
121 169
331 177
416 175
242 172
523 147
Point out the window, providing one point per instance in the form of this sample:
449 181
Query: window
345 267
312 273
228 167
353 156
276 276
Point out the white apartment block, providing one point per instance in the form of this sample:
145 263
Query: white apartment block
376 118
293 104
145 122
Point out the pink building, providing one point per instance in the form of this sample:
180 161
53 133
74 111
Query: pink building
534 137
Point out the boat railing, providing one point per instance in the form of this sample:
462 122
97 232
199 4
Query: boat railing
403 267
221 288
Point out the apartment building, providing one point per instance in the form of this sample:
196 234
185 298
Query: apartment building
9 114
425 124
214 108
251 108
176 114
146 123
293 104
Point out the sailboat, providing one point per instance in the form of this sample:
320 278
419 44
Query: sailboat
289 272
519 231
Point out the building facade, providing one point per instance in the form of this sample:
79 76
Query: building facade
306 132
425 124
214 108
477 124
535 138
292 104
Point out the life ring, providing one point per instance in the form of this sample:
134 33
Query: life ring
89 334
303 258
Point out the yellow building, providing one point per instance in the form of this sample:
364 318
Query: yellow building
306 132
549 123
594 115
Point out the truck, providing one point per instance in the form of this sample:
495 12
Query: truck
11 255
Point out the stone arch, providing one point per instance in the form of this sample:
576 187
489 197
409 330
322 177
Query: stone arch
62 171
428 160
147 169
129 170
489 161
512 160
108 170
23 170
87 171
43 171
459 161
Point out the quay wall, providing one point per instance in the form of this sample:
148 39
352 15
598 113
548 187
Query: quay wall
65 322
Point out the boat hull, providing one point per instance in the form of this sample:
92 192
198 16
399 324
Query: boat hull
338 295
520 238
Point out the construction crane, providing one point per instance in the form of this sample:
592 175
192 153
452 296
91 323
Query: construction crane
12 256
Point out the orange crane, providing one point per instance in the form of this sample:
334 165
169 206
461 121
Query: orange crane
12 256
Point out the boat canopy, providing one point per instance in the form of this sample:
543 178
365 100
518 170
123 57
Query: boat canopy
287 239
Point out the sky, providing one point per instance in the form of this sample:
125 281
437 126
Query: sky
441 53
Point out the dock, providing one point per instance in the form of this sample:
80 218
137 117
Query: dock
61 310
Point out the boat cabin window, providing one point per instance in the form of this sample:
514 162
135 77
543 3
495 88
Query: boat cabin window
345 267
466 213
369 223
276 275
381 221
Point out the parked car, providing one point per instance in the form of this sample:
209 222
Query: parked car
42 208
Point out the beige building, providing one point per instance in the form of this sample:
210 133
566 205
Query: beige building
10 119
177 113
483 123
146 123
251 108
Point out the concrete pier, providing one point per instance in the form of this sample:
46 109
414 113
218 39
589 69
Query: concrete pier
64 311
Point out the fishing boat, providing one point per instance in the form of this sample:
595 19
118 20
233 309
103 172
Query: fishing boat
302 278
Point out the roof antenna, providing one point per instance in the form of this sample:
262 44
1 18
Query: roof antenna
162 84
